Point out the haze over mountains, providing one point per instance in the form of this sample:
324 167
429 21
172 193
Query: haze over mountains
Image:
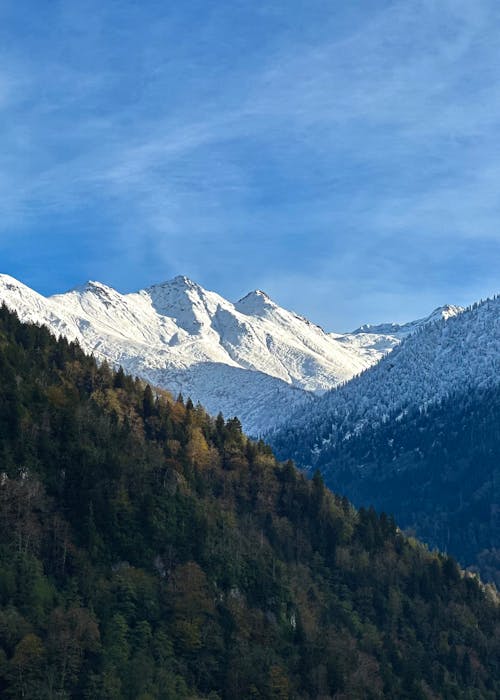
252 358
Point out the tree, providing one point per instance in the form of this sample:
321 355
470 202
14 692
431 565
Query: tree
148 402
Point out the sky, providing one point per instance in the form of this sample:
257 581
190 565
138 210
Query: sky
342 156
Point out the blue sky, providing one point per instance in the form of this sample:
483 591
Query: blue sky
342 156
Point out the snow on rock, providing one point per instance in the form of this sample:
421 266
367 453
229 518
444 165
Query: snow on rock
253 359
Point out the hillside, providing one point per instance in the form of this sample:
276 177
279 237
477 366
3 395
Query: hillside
437 469
150 551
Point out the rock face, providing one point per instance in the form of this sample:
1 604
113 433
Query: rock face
253 359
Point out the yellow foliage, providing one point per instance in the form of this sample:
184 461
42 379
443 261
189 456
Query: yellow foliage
29 650
57 396
116 402
278 682
197 448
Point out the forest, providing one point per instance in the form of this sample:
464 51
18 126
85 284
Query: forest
437 470
151 551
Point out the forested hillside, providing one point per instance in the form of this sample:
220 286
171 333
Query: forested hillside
437 469
148 551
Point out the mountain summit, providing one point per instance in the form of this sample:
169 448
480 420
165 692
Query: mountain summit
256 303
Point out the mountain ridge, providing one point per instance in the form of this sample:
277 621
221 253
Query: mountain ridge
446 311
439 359
251 358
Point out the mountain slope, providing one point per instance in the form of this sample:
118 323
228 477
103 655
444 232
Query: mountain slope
150 551
252 359
418 435
437 470
443 357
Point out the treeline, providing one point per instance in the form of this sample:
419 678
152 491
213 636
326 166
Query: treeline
148 550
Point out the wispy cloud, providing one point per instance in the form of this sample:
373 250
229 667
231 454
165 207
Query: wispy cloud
309 151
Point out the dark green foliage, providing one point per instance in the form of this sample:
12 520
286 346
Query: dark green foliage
438 470
150 551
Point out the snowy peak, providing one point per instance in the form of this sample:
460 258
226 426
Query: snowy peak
171 291
372 342
9 282
92 292
178 286
402 330
186 302
447 311
29 305
256 303
91 286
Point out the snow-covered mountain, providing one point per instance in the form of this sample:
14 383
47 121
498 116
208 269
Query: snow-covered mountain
372 342
445 355
402 330
253 359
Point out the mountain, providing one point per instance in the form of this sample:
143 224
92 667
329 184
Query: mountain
418 435
148 550
402 330
371 342
252 359
446 356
